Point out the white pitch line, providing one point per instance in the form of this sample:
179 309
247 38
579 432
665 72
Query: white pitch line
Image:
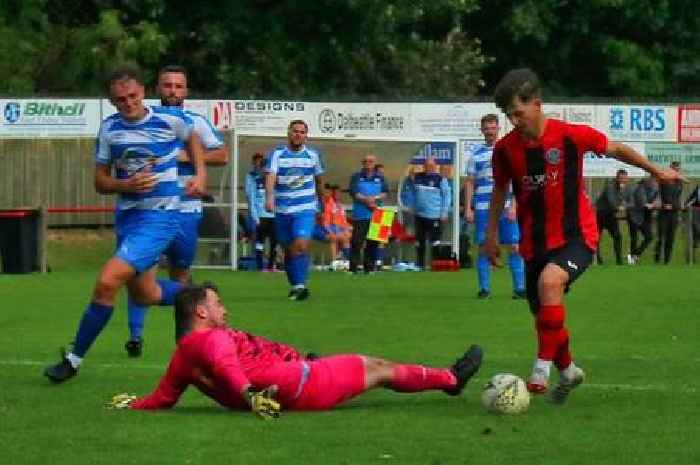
604 387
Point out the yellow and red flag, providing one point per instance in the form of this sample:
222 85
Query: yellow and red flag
380 224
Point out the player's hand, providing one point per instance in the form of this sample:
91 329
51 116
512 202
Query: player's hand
492 251
141 182
120 402
197 186
263 403
269 205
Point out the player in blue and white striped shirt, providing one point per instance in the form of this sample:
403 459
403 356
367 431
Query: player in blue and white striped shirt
141 144
477 199
172 89
294 191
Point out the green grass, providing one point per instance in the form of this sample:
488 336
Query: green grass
634 329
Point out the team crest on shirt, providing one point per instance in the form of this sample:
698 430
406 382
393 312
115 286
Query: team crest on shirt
553 156
135 159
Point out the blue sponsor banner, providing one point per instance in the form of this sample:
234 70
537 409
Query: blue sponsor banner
442 152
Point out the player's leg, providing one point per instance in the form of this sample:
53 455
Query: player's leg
401 377
434 236
647 233
95 317
660 231
272 235
344 243
509 235
564 267
483 265
298 262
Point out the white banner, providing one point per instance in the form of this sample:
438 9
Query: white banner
638 122
260 117
22 118
459 120
366 120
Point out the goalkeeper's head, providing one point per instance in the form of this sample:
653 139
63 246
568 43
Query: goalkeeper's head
198 307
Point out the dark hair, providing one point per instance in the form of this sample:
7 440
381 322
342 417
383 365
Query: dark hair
173 69
675 164
378 166
258 155
125 72
621 171
522 83
186 302
298 121
489 118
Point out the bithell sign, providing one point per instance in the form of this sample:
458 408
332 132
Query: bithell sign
49 118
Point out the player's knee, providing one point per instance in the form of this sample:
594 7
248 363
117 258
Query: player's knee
552 281
106 288
379 369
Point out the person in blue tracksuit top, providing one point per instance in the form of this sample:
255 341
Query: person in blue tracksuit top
431 204
368 189
260 220
478 186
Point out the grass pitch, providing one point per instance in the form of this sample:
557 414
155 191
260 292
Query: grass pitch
634 330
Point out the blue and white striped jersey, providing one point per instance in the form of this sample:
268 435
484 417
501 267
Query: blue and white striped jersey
152 142
211 139
478 166
295 186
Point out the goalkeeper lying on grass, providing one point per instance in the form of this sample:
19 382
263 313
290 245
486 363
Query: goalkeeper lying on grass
243 371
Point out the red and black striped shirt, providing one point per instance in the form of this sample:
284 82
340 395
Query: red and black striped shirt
547 176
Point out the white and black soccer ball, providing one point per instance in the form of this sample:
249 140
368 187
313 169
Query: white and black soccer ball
506 393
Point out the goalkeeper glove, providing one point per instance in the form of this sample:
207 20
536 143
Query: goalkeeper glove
120 402
263 403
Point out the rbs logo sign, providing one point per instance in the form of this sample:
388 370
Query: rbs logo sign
637 120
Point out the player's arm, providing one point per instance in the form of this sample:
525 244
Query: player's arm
319 194
501 183
169 390
627 154
221 354
217 156
140 183
198 184
468 188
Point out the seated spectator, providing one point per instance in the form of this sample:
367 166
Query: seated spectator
334 227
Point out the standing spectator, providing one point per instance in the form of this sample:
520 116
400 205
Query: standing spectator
639 216
293 189
543 158
368 189
612 200
379 250
667 220
333 226
261 221
431 193
693 206
478 185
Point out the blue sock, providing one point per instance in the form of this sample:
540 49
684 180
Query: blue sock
303 263
346 253
517 270
295 274
259 249
95 318
137 317
289 269
483 268
169 290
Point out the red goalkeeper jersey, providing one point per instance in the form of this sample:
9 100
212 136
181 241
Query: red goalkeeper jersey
219 362
547 175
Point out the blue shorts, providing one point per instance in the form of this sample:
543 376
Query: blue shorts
183 248
296 226
508 231
143 235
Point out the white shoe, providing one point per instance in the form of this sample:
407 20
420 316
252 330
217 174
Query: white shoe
562 390
630 259
537 382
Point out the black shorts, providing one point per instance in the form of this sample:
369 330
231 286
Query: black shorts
574 258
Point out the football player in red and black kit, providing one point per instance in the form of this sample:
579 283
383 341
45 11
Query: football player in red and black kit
543 157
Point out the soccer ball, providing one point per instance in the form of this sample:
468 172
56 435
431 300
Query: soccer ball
507 394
